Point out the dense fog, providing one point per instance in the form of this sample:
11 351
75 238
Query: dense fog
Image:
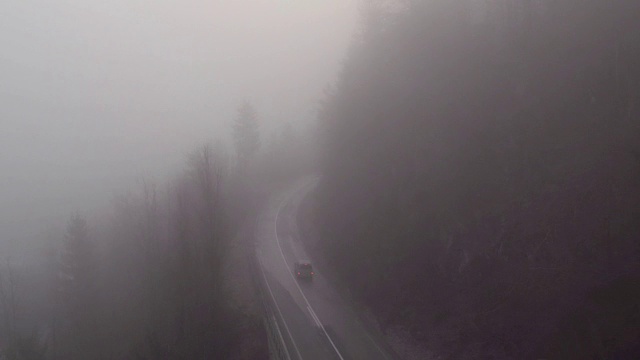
374 179
97 95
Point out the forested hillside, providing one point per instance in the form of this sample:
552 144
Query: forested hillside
481 175
163 275
167 272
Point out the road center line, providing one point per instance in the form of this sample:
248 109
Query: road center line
296 282
286 327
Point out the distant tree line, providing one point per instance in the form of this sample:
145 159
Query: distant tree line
152 283
289 154
158 277
481 175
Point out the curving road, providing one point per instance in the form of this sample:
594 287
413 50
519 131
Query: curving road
314 321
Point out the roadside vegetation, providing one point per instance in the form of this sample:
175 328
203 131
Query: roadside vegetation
479 182
481 176
154 280
164 274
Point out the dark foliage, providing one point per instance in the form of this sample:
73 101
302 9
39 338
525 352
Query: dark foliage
481 176
159 285
246 134
25 348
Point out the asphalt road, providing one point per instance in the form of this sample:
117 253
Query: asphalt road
315 321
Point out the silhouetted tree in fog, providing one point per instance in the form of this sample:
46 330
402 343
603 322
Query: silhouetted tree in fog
77 290
207 171
77 272
246 134
17 344
157 285
8 300
290 153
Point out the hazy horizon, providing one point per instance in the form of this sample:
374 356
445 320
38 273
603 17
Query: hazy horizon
99 95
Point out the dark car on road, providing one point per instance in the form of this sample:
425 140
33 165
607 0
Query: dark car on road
303 269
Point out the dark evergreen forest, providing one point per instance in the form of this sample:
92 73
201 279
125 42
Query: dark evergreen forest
481 176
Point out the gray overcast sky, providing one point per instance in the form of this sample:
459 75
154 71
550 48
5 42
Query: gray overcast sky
96 94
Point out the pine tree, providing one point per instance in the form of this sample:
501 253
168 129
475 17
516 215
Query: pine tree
76 273
246 134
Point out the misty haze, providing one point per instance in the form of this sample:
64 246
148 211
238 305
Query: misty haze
320 179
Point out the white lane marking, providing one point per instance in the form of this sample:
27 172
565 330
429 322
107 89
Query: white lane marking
281 317
296 282
284 345
376 345
314 316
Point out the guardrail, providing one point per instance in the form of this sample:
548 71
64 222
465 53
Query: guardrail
277 344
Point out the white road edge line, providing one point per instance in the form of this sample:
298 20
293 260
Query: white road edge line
284 345
314 316
376 345
295 282
281 317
